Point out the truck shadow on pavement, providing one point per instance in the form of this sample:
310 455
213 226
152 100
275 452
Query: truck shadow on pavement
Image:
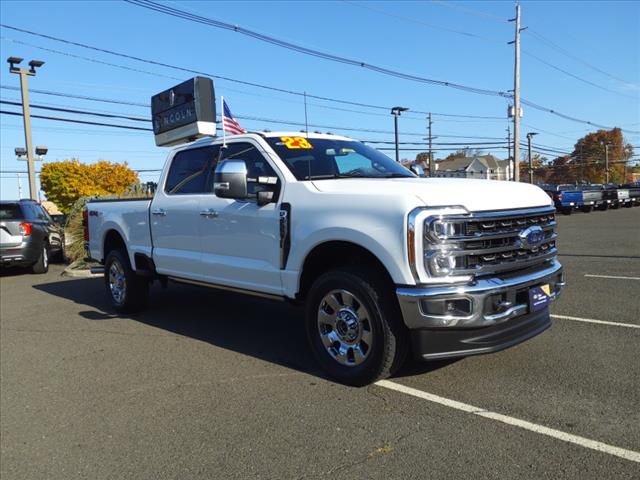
269 330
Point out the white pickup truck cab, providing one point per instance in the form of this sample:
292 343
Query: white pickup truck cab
384 262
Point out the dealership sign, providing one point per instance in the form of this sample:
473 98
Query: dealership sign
184 113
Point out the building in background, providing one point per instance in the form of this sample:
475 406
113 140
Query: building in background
478 166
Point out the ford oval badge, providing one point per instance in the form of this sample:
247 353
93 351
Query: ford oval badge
531 237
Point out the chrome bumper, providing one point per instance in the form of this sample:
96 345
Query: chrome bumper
487 301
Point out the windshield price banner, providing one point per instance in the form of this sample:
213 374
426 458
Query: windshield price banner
294 143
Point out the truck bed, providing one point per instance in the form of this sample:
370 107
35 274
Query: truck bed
129 217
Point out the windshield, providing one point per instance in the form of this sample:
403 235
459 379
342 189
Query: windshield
321 158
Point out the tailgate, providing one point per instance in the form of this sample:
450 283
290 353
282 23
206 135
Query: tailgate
10 235
592 196
575 197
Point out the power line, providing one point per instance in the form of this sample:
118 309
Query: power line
70 120
83 112
219 77
493 40
79 97
536 34
424 24
560 49
266 120
588 82
177 13
291 92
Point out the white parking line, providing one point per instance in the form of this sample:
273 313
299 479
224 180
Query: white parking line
516 422
590 320
611 276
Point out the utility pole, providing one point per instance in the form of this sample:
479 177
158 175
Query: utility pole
33 64
606 162
516 97
430 148
529 135
511 177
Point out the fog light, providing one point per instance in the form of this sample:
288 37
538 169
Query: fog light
456 307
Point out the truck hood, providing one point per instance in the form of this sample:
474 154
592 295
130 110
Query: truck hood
474 195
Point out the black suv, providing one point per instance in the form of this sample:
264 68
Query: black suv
29 237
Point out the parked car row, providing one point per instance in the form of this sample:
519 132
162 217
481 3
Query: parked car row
29 237
589 197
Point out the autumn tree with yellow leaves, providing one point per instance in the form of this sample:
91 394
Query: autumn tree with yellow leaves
65 182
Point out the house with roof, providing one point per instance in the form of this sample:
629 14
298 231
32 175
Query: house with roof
478 166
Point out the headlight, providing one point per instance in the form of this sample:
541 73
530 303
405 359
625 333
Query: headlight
430 261
443 229
440 262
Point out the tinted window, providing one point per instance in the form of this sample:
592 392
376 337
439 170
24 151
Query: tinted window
31 211
257 165
189 170
10 211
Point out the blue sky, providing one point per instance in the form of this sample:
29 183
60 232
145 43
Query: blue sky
461 42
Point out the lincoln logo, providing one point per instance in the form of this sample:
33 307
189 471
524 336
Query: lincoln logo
530 237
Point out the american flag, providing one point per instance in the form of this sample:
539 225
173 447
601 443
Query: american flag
229 124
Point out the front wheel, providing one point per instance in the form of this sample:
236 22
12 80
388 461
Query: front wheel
354 328
127 291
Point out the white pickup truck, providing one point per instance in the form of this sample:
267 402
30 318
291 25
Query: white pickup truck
384 262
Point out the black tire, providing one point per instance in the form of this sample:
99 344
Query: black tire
389 336
135 288
567 211
587 209
60 256
42 264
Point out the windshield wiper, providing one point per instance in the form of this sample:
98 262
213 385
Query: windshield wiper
397 175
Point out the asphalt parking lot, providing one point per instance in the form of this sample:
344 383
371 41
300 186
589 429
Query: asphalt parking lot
212 385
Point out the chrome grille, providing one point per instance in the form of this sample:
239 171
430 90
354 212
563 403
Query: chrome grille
491 242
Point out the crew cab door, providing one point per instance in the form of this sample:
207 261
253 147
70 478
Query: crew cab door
175 213
241 240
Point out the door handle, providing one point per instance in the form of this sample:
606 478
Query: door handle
210 213
160 211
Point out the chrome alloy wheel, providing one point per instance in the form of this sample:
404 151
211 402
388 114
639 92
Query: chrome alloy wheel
45 257
117 282
345 327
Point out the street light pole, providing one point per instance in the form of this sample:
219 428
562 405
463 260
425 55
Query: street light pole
396 111
529 135
33 64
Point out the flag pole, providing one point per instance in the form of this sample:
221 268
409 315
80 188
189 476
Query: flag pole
224 136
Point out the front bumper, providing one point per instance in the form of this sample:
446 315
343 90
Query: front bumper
496 308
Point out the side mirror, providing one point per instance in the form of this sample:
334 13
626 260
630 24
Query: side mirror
418 170
230 179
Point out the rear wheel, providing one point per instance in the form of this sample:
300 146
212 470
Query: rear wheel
42 264
353 326
127 291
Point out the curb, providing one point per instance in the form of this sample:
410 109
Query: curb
79 273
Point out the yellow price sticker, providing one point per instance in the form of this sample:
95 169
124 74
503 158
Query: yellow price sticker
296 143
